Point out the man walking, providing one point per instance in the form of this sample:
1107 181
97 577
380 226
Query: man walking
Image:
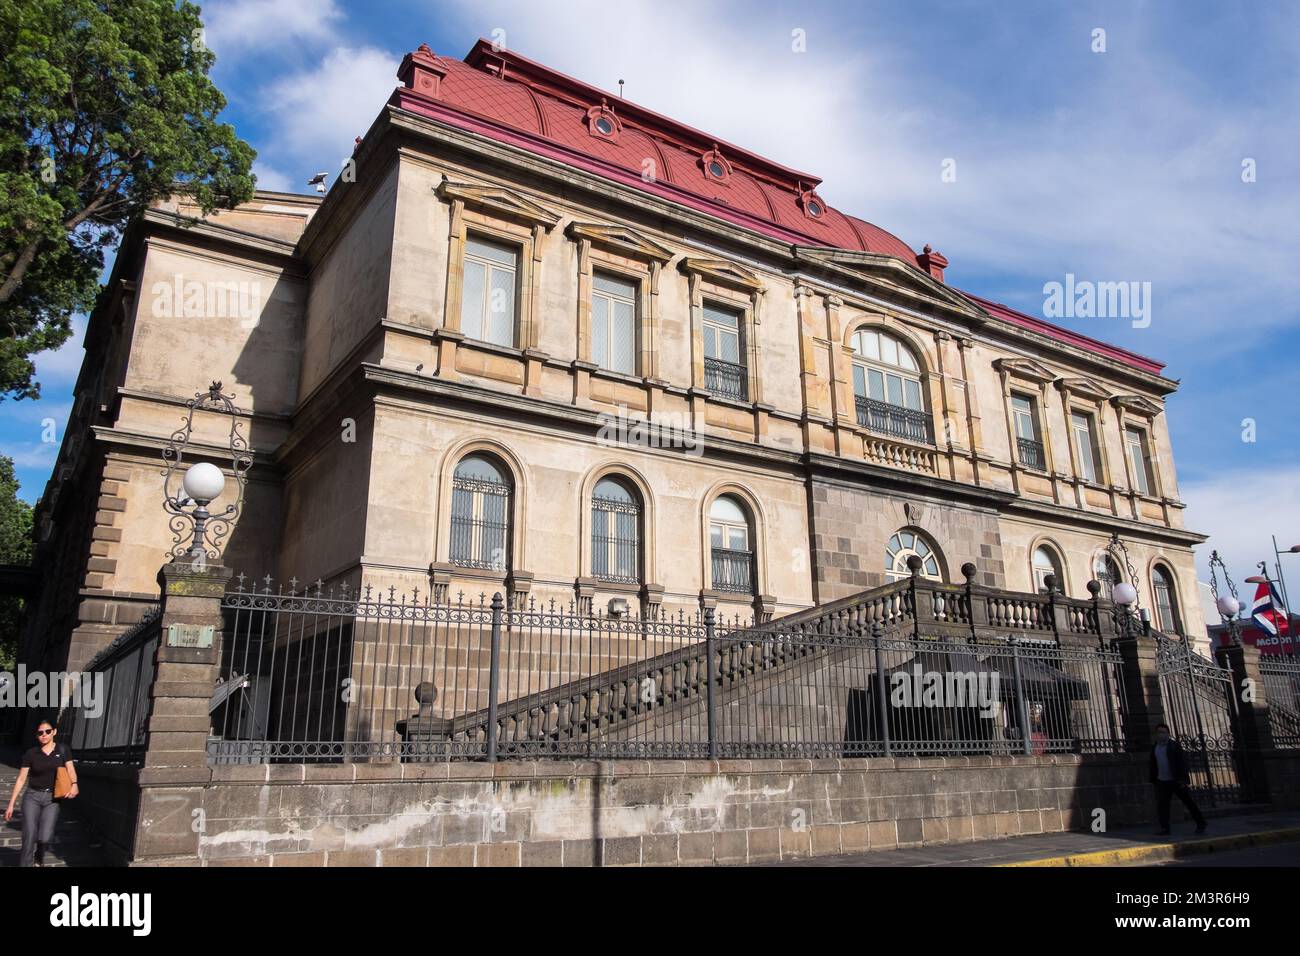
1169 774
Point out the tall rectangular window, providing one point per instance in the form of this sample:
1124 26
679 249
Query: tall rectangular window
487 305
1084 445
1022 406
1135 444
1029 449
724 370
613 324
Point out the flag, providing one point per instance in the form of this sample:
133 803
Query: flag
1268 612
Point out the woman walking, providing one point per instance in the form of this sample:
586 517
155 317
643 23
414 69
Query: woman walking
39 770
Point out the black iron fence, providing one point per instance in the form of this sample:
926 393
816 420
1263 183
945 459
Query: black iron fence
1201 710
1031 454
894 420
330 677
1281 678
733 570
726 379
112 728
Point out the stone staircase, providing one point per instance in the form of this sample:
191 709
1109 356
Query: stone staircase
74 843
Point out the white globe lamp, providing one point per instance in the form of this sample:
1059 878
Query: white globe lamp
1124 593
204 482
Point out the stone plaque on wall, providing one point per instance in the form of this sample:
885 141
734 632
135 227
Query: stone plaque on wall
189 635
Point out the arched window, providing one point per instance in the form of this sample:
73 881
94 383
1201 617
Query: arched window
615 532
901 547
1165 597
1045 562
731 545
887 387
1107 573
480 514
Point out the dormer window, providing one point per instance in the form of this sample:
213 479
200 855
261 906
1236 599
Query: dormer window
812 204
715 165
602 123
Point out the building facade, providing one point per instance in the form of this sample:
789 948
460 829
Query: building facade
546 343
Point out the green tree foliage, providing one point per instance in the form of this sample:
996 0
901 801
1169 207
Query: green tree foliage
15 548
105 107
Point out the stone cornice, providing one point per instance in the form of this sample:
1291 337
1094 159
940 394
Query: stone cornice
625 240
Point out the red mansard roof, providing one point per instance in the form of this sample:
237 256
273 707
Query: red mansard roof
1065 335
512 99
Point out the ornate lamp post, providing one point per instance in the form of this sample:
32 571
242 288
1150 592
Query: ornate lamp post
1125 596
1119 552
1228 605
197 532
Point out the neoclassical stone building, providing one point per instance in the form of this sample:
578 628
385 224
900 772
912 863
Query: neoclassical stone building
543 341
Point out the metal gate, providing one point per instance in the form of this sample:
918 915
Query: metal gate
1200 708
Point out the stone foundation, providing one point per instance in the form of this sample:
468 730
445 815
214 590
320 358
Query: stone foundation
556 813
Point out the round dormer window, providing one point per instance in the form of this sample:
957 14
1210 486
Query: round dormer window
604 125
814 209
716 170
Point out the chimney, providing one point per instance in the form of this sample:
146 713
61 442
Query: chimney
420 71
932 262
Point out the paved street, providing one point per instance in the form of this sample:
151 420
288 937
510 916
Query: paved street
1137 846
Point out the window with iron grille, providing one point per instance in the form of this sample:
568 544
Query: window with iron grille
1106 571
613 324
731 554
1166 601
487 304
724 370
887 388
480 515
1029 447
615 533
1045 562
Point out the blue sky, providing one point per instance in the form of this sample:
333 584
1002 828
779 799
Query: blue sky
1123 165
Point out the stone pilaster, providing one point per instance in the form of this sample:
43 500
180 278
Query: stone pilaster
186 668
1254 736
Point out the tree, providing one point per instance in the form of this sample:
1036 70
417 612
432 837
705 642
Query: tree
105 107
15 548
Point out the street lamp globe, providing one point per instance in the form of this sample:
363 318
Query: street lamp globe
1124 593
1228 606
204 482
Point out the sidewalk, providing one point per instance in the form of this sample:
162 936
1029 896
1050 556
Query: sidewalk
1128 847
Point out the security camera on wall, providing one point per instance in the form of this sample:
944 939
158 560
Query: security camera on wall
318 181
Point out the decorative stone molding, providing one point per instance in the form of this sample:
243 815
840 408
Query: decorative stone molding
500 201
519 584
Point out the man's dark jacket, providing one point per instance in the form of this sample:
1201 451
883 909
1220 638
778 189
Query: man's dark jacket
1177 763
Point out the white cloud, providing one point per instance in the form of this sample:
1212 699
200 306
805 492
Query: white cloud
1240 510
319 112
61 365
1132 175
33 455
239 27
273 179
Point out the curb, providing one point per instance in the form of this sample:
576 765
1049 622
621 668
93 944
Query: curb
1166 851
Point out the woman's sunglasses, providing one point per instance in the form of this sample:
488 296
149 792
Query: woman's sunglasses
43 733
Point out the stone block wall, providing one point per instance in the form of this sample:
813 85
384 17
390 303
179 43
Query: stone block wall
668 813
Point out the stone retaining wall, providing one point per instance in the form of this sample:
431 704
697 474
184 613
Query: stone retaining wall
639 812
